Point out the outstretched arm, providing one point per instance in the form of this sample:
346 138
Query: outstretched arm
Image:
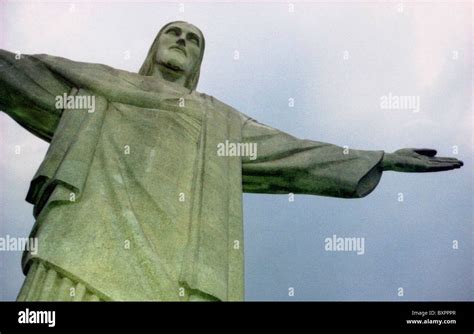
28 91
287 164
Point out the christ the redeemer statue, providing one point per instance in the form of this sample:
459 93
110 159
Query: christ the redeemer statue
133 200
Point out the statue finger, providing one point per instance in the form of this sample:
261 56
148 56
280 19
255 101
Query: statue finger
447 160
438 167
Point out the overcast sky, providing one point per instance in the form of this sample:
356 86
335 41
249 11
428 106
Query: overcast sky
336 61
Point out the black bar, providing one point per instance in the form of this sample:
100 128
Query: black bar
245 315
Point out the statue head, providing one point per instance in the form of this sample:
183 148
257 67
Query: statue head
176 53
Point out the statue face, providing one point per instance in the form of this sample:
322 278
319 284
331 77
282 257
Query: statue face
179 47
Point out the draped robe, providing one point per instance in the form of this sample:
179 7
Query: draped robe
132 201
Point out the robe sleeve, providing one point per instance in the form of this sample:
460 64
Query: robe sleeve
28 91
285 164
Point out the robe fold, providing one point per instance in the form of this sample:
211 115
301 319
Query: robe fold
133 201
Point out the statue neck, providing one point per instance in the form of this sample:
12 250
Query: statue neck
170 75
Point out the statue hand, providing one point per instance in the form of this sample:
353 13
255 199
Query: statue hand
418 160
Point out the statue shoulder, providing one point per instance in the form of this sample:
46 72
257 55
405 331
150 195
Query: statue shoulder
60 62
222 106
82 74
